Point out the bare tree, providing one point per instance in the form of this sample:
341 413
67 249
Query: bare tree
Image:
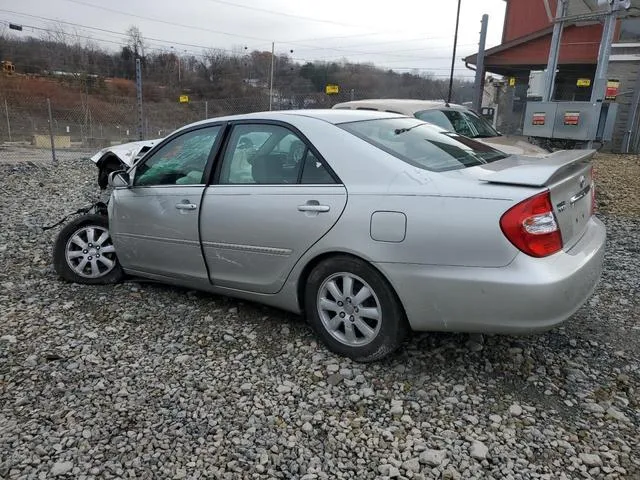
135 41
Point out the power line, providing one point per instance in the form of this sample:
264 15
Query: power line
168 42
297 43
283 14
166 22
165 43
124 35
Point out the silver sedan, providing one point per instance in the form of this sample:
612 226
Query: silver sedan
371 224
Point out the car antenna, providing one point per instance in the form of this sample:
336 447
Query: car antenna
453 56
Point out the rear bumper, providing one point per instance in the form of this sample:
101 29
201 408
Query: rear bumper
529 294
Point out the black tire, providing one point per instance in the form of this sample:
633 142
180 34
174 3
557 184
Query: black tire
393 327
62 266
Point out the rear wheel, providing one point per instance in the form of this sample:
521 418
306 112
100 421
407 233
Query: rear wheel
353 309
84 252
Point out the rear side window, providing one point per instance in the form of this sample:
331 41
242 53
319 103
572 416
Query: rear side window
423 145
437 117
463 122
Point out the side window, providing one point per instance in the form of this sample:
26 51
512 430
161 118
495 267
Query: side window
314 171
460 123
182 161
262 154
436 117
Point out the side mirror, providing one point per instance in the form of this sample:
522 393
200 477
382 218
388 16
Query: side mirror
119 179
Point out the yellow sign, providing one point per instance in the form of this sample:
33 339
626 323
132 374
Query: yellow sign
184 98
512 81
331 89
584 82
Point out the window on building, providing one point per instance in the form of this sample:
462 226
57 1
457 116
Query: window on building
630 30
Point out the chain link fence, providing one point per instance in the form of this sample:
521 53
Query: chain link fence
83 124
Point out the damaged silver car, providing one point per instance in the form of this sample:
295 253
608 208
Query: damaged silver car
370 224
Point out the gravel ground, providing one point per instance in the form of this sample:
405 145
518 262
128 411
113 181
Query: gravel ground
146 381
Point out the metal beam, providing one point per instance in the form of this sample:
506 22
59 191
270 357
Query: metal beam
632 119
554 52
600 77
478 84
453 56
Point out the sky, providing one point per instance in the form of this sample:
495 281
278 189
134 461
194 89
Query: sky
404 35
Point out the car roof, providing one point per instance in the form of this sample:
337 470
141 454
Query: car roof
404 106
327 115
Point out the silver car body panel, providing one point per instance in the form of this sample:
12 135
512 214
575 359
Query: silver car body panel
452 268
152 235
252 235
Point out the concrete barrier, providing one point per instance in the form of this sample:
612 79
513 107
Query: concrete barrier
44 141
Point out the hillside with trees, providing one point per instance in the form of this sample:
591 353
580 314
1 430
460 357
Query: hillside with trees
92 89
211 74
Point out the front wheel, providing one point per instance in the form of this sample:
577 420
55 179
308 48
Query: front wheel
354 310
84 252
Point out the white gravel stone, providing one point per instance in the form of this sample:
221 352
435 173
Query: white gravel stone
590 459
412 465
515 410
615 414
433 458
495 418
61 468
478 450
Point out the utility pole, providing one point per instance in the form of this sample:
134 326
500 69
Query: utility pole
6 111
453 56
478 84
206 109
53 143
139 97
273 46
554 52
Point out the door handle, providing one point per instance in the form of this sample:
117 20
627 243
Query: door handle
313 208
186 206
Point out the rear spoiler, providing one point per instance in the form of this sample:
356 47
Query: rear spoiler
535 171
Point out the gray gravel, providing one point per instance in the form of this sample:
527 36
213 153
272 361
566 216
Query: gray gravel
148 381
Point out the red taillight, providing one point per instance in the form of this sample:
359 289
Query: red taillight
532 227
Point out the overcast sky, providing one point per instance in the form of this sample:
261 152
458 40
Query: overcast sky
398 34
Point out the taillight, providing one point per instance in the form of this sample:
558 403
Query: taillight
532 227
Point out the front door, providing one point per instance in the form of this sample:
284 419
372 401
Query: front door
154 222
273 199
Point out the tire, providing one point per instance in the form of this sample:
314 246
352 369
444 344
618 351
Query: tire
338 319
101 266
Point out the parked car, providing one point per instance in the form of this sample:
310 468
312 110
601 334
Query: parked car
452 117
118 157
371 224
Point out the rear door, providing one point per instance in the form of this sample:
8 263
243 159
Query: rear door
273 198
154 222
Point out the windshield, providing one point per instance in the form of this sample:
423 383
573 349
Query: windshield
423 145
464 122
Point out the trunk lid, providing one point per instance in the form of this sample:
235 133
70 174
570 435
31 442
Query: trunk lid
568 176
